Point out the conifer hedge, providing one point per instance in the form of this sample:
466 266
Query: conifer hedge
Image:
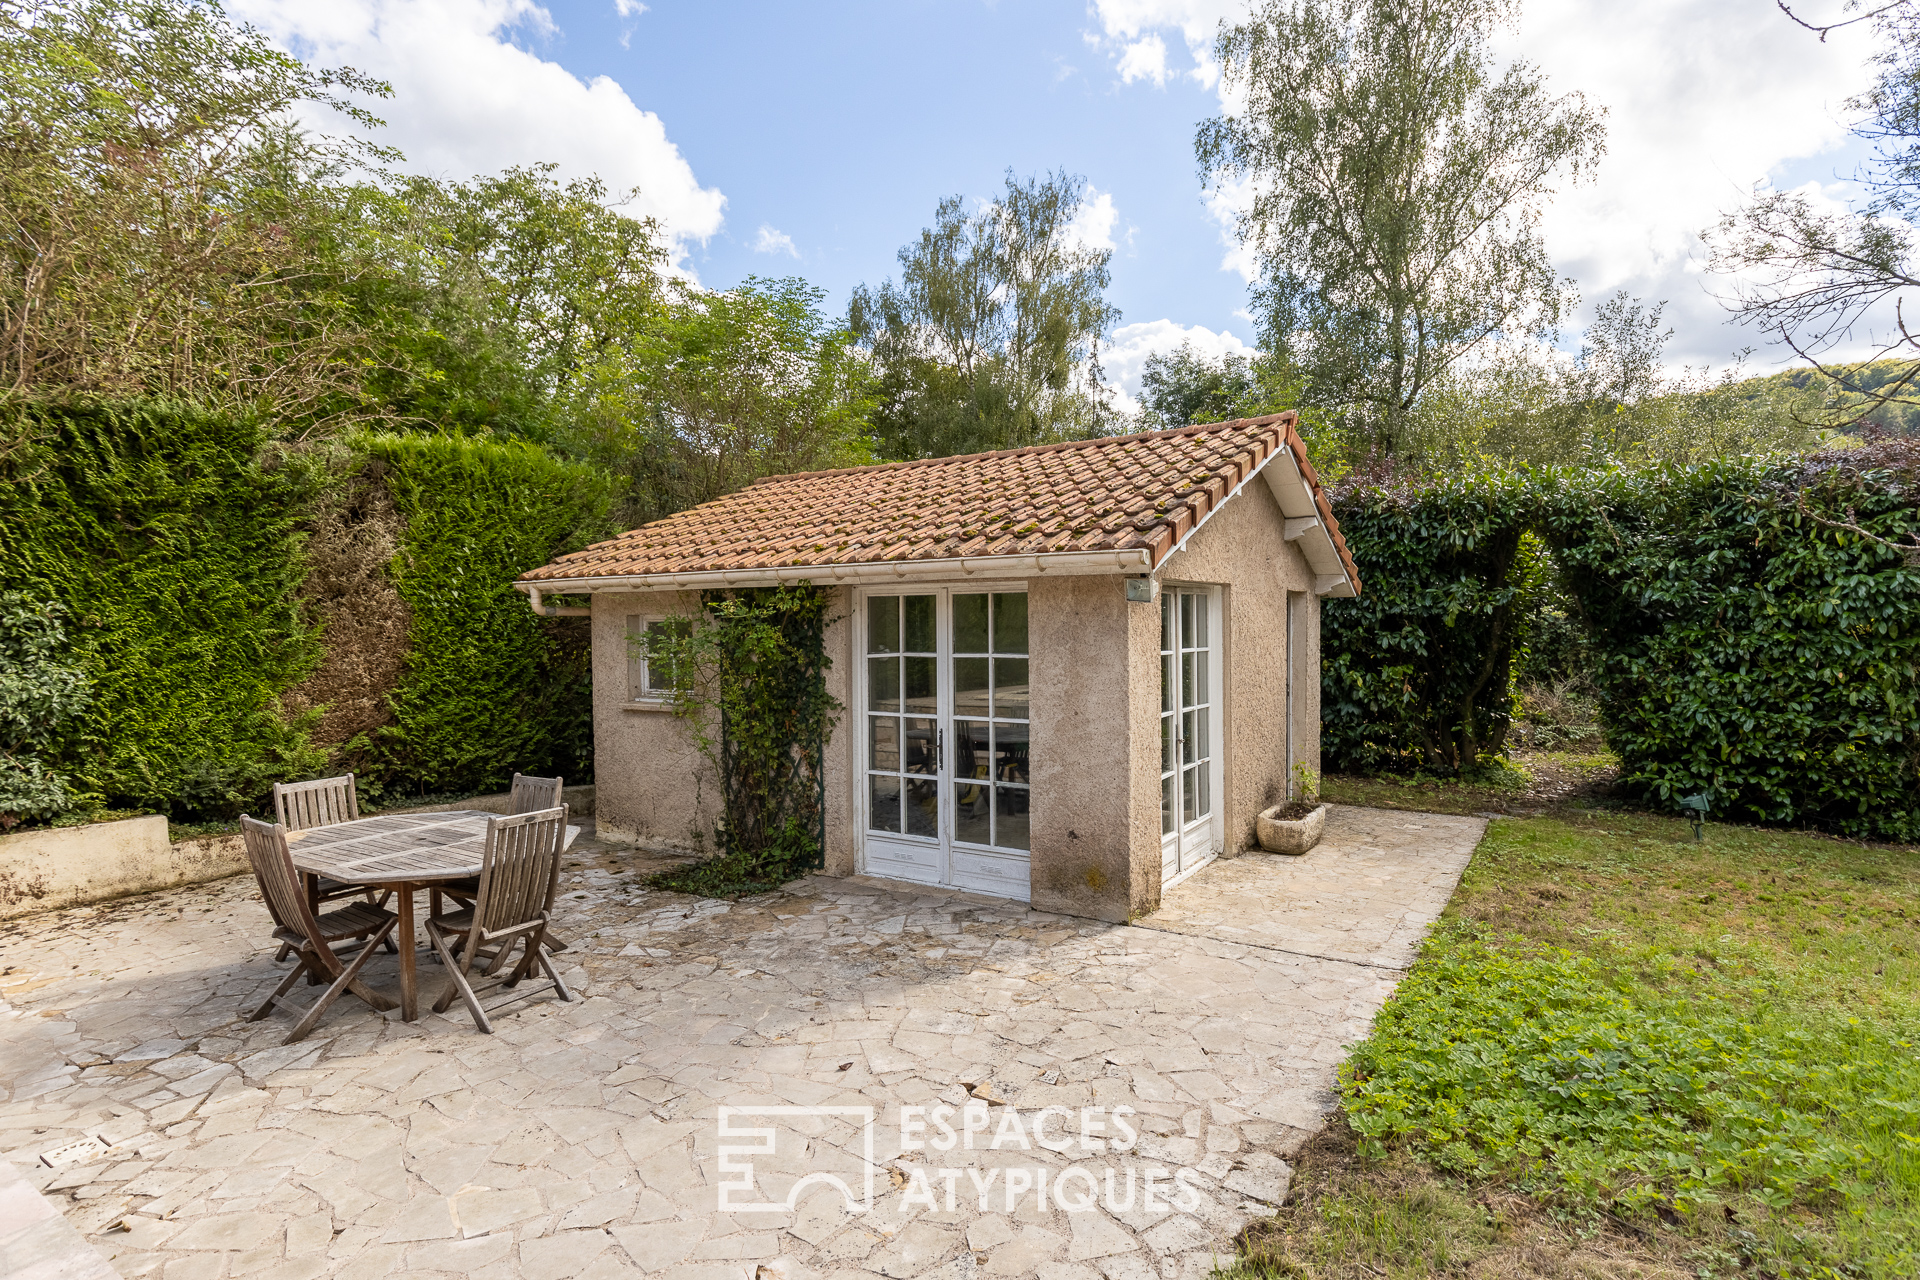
490 688
172 536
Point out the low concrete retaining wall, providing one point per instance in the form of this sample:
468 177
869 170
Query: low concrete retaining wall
52 867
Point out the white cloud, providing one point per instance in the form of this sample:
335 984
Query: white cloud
1092 226
1706 98
1125 358
629 8
1144 59
772 240
468 100
1123 22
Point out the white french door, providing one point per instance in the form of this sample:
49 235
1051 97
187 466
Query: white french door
945 783
1190 829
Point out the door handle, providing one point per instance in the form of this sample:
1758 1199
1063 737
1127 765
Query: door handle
939 750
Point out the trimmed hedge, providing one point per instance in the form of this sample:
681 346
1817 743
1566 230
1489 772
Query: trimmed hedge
489 688
1744 648
1416 672
170 534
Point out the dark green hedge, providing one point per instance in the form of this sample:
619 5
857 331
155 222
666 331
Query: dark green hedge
171 536
1744 648
489 687
1415 673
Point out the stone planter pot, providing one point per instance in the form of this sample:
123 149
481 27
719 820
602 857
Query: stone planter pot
1278 835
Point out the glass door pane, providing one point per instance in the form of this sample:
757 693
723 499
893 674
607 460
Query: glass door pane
903 703
991 759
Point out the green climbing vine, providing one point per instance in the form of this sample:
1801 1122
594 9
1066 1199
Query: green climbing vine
751 686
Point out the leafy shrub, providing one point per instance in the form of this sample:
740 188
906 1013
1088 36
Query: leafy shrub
39 692
1521 1061
756 673
169 534
1748 645
1416 672
489 687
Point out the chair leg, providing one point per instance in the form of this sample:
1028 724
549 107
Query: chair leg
558 985
345 980
285 986
280 956
457 982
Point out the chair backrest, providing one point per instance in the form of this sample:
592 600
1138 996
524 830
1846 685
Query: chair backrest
531 795
320 802
279 882
518 868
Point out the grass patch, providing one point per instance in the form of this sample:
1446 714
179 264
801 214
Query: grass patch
1532 782
1701 1058
732 875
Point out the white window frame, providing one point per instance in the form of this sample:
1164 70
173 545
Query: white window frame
644 697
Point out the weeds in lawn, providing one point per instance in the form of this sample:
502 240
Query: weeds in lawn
1713 1044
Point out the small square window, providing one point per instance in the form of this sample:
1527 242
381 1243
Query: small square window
651 673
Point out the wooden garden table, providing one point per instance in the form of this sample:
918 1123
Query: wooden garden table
403 852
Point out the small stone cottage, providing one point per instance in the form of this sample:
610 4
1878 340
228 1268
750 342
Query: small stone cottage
1071 674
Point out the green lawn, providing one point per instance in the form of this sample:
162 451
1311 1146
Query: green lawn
1625 1049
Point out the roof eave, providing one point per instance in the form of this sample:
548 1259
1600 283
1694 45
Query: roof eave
1043 564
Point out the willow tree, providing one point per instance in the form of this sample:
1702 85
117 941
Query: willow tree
991 338
1394 182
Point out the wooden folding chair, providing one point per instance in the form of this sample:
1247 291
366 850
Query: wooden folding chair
310 938
323 802
527 795
520 865
532 795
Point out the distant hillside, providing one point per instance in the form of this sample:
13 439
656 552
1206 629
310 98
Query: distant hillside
1812 394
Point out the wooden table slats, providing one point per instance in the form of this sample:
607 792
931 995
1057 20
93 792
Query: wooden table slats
404 852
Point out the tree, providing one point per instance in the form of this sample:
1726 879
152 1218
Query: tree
159 213
1396 187
495 300
991 339
1613 403
1182 386
1815 278
725 387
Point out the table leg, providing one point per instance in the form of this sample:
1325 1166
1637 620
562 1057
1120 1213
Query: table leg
409 997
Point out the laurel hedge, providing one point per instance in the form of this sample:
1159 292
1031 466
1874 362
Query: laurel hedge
1416 672
1753 625
1748 645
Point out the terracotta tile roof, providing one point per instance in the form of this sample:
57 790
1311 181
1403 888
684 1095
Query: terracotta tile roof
1115 494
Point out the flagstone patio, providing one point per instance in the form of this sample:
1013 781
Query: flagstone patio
581 1139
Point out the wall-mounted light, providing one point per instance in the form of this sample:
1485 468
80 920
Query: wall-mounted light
1142 590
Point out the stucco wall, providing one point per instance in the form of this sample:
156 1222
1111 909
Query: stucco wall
1089 801
842 764
1243 548
649 777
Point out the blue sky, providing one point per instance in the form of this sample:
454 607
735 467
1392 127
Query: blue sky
782 139
841 127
